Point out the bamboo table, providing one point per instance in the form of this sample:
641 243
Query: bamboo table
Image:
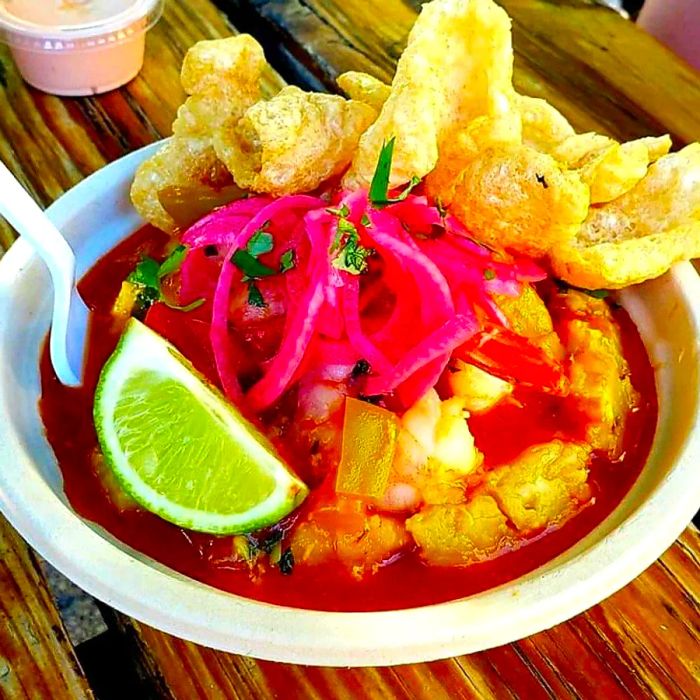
603 74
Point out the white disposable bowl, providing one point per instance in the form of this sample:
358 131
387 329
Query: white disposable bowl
97 214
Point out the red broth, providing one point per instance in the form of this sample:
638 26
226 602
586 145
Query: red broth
407 582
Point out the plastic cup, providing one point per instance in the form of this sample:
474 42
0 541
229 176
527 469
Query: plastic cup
77 47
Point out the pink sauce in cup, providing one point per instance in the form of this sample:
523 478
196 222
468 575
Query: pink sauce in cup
77 47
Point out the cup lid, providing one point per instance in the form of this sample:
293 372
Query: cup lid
28 21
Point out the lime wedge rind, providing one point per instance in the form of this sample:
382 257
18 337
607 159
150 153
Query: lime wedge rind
141 348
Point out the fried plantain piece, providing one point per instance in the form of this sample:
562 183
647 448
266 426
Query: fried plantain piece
222 78
463 534
345 532
598 371
543 486
641 234
293 142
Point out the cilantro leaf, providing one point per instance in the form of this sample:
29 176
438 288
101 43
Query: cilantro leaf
361 367
345 227
288 260
415 180
173 262
489 274
147 276
341 211
250 266
260 243
350 255
379 187
286 562
596 293
255 297
365 221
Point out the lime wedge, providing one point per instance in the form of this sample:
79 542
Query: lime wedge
180 449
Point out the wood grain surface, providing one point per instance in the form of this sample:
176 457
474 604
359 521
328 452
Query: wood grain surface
604 74
36 659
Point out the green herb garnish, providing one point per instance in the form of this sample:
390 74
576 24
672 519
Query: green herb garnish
596 293
264 544
489 274
341 211
147 276
365 221
250 266
260 243
288 260
255 297
246 260
286 562
350 255
173 262
361 367
379 188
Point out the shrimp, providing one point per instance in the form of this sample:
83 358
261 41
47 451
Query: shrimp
479 390
434 453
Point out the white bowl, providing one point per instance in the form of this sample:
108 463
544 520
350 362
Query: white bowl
97 214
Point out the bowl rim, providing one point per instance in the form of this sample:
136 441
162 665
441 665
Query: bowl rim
173 603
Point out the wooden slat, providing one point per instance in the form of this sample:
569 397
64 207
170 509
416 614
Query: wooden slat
36 659
643 642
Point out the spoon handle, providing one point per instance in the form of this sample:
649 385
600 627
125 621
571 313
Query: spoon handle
69 312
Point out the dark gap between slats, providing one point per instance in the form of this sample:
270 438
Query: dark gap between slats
273 39
117 665
110 670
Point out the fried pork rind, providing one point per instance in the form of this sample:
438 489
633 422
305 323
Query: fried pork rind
598 371
293 142
222 79
610 168
543 486
463 534
520 199
364 88
641 234
544 127
457 66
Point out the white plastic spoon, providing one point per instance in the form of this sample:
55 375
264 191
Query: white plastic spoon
70 315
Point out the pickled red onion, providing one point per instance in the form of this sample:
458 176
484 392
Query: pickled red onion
441 282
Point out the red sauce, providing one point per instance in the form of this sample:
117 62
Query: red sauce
407 582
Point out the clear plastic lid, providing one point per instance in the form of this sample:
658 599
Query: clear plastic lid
70 25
